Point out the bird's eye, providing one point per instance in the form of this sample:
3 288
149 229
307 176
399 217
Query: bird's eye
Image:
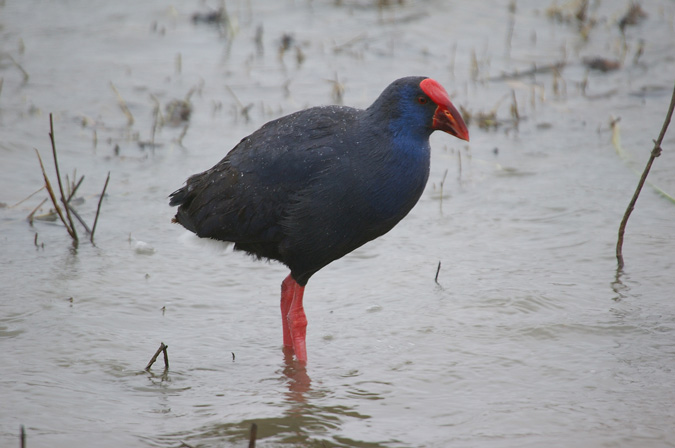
422 99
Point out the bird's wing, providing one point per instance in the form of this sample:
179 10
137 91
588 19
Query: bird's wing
245 196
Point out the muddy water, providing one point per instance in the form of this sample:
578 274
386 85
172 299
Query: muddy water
530 337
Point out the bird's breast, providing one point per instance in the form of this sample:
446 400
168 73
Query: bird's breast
395 184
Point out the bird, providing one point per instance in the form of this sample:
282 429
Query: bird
310 187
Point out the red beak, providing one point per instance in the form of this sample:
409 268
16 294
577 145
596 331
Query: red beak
446 117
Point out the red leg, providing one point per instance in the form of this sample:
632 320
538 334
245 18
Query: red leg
287 293
293 317
298 323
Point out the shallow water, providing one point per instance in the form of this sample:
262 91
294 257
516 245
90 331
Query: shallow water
530 337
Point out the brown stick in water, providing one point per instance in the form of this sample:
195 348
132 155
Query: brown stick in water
656 151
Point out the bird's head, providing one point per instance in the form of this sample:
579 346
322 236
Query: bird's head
418 106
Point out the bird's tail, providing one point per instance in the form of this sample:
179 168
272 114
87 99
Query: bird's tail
178 197
182 199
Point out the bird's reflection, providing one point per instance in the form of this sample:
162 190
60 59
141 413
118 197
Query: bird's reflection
299 382
306 417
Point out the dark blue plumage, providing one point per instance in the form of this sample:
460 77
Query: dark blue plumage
310 187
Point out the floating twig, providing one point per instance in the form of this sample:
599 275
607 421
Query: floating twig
98 209
162 348
656 151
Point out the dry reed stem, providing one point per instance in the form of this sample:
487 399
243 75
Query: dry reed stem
123 106
656 151
32 214
74 190
79 218
162 348
48 185
442 183
25 74
73 232
27 197
98 211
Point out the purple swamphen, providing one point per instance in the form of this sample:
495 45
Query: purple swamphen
310 187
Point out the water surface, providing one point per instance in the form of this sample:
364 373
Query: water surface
530 338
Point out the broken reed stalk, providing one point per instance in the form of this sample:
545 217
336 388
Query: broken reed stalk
79 218
182 134
162 348
73 234
74 190
445 174
98 210
166 358
438 270
27 197
656 151
32 214
25 74
48 185
123 106
22 440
